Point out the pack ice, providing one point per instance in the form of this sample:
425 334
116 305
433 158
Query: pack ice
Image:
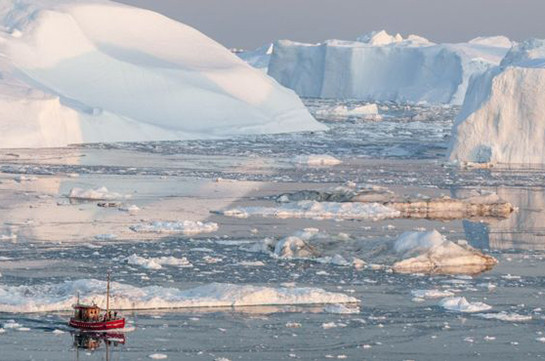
76 71
503 116
383 67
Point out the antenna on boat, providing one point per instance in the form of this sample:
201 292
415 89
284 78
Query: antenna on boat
108 294
77 303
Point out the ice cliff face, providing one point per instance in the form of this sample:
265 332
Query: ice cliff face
384 67
503 116
77 71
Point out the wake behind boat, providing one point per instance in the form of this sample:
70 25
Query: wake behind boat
93 318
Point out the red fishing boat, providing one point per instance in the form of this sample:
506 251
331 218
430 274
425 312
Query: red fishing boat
93 318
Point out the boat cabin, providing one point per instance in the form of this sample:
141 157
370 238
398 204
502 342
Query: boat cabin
86 312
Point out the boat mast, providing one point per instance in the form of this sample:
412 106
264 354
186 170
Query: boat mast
108 295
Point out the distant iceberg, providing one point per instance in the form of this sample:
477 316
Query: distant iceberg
503 116
384 67
76 71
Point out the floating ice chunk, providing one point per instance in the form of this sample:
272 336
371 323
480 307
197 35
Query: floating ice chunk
251 263
294 247
505 316
158 356
430 252
58 332
317 210
367 112
105 237
11 325
341 309
158 262
328 325
8 237
316 160
101 193
461 304
132 209
185 227
51 297
432 293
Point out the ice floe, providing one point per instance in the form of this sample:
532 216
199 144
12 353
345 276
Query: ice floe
185 227
364 112
316 160
505 316
432 293
101 193
461 304
475 205
316 210
61 296
158 262
431 252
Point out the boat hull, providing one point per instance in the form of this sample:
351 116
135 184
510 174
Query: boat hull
97 325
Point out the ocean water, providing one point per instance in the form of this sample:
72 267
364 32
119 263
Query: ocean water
48 240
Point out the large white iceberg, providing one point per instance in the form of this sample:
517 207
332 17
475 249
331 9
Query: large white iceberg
503 116
383 67
77 71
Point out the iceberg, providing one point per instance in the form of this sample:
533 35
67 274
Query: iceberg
502 119
383 67
81 71
61 296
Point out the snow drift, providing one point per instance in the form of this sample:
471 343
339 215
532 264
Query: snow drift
77 71
503 116
383 67
60 297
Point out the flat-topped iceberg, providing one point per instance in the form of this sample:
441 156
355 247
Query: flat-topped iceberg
77 71
60 297
503 116
383 67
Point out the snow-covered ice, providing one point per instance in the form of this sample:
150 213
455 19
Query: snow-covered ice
461 304
316 160
316 210
436 293
365 112
158 262
185 227
101 193
505 316
61 296
503 116
431 252
99 71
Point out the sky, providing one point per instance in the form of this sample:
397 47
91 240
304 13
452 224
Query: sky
251 23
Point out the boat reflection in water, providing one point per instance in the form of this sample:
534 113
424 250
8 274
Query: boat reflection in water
92 341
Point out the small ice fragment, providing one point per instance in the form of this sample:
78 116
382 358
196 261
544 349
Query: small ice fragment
158 356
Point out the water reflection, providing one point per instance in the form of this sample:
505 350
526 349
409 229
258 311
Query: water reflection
92 341
524 230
